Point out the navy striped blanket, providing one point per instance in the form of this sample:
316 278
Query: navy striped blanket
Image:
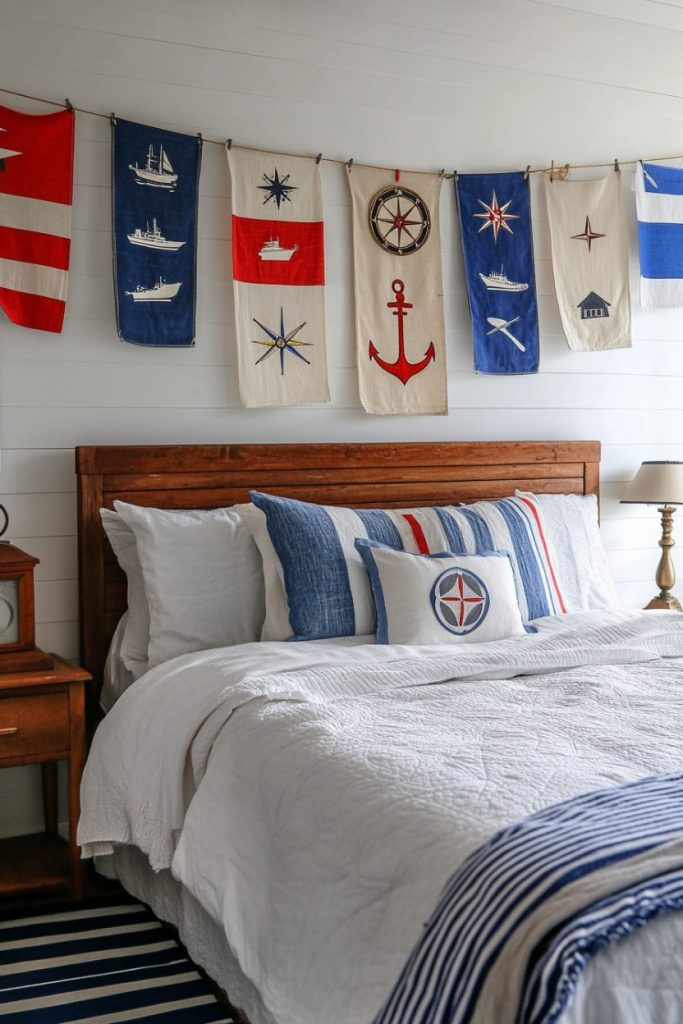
519 920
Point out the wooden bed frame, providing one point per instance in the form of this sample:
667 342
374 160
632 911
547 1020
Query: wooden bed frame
361 475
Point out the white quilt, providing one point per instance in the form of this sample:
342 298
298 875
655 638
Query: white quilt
315 798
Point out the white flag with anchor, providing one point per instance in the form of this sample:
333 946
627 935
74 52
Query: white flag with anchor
400 333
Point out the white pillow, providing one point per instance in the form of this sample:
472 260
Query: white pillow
443 598
571 521
116 677
276 623
203 579
134 641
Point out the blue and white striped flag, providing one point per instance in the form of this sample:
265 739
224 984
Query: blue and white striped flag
659 201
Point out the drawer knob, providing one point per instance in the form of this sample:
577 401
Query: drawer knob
9 730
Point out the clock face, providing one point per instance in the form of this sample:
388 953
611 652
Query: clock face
9 611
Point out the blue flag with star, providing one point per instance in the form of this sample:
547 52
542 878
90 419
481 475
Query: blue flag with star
495 227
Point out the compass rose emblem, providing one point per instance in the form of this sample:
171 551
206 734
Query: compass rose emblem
279 341
460 600
495 216
277 188
399 220
587 235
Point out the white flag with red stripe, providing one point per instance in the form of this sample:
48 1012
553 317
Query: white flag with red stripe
279 276
36 193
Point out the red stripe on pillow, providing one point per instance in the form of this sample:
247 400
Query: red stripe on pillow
534 512
418 534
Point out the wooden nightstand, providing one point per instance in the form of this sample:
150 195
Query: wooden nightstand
42 721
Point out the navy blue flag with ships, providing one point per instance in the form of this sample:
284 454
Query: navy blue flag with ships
495 225
155 185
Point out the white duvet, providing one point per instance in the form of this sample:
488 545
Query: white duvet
315 798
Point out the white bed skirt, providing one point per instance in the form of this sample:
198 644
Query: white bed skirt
636 981
203 938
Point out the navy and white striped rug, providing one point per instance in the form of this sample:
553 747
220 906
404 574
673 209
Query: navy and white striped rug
104 964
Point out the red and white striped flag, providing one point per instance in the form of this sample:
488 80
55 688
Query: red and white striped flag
279 276
36 192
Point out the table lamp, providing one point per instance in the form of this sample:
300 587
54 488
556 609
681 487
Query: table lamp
660 483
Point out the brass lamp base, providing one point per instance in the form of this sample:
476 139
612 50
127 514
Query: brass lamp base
665 600
665 575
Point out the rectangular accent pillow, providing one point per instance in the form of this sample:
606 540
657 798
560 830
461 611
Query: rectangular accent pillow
443 598
574 531
311 550
203 579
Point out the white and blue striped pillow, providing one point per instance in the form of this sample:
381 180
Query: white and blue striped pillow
325 580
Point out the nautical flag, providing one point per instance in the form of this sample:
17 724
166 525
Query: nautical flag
36 192
400 333
495 226
155 186
279 275
590 261
659 201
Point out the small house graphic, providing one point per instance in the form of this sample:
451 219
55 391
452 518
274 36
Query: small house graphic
593 307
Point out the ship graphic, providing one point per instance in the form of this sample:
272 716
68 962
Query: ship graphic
272 250
498 281
157 172
153 239
159 292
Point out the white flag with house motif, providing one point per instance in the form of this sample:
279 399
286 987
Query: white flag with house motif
279 276
590 261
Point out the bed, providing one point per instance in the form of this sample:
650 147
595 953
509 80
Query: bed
304 898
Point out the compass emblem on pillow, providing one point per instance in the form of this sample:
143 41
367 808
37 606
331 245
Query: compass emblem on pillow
460 600
443 598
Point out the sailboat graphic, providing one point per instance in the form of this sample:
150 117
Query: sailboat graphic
153 239
157 172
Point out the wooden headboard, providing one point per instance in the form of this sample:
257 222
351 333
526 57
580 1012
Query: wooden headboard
361 475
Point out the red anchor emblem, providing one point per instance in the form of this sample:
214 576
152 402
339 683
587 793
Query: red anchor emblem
402 367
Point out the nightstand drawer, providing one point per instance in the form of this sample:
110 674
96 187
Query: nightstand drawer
34 724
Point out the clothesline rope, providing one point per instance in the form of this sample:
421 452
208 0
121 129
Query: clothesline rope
554 169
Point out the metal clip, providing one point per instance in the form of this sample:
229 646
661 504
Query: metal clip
349 164
228 144
112 118
442 174
68 104
318 158
616 164
526 173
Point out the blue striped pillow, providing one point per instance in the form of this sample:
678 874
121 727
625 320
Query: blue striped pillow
325 580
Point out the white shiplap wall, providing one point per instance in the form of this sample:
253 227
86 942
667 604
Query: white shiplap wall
477 85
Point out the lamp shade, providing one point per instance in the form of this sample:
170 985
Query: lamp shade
656 483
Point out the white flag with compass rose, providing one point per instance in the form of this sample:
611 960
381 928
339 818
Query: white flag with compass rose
279 277
399 291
